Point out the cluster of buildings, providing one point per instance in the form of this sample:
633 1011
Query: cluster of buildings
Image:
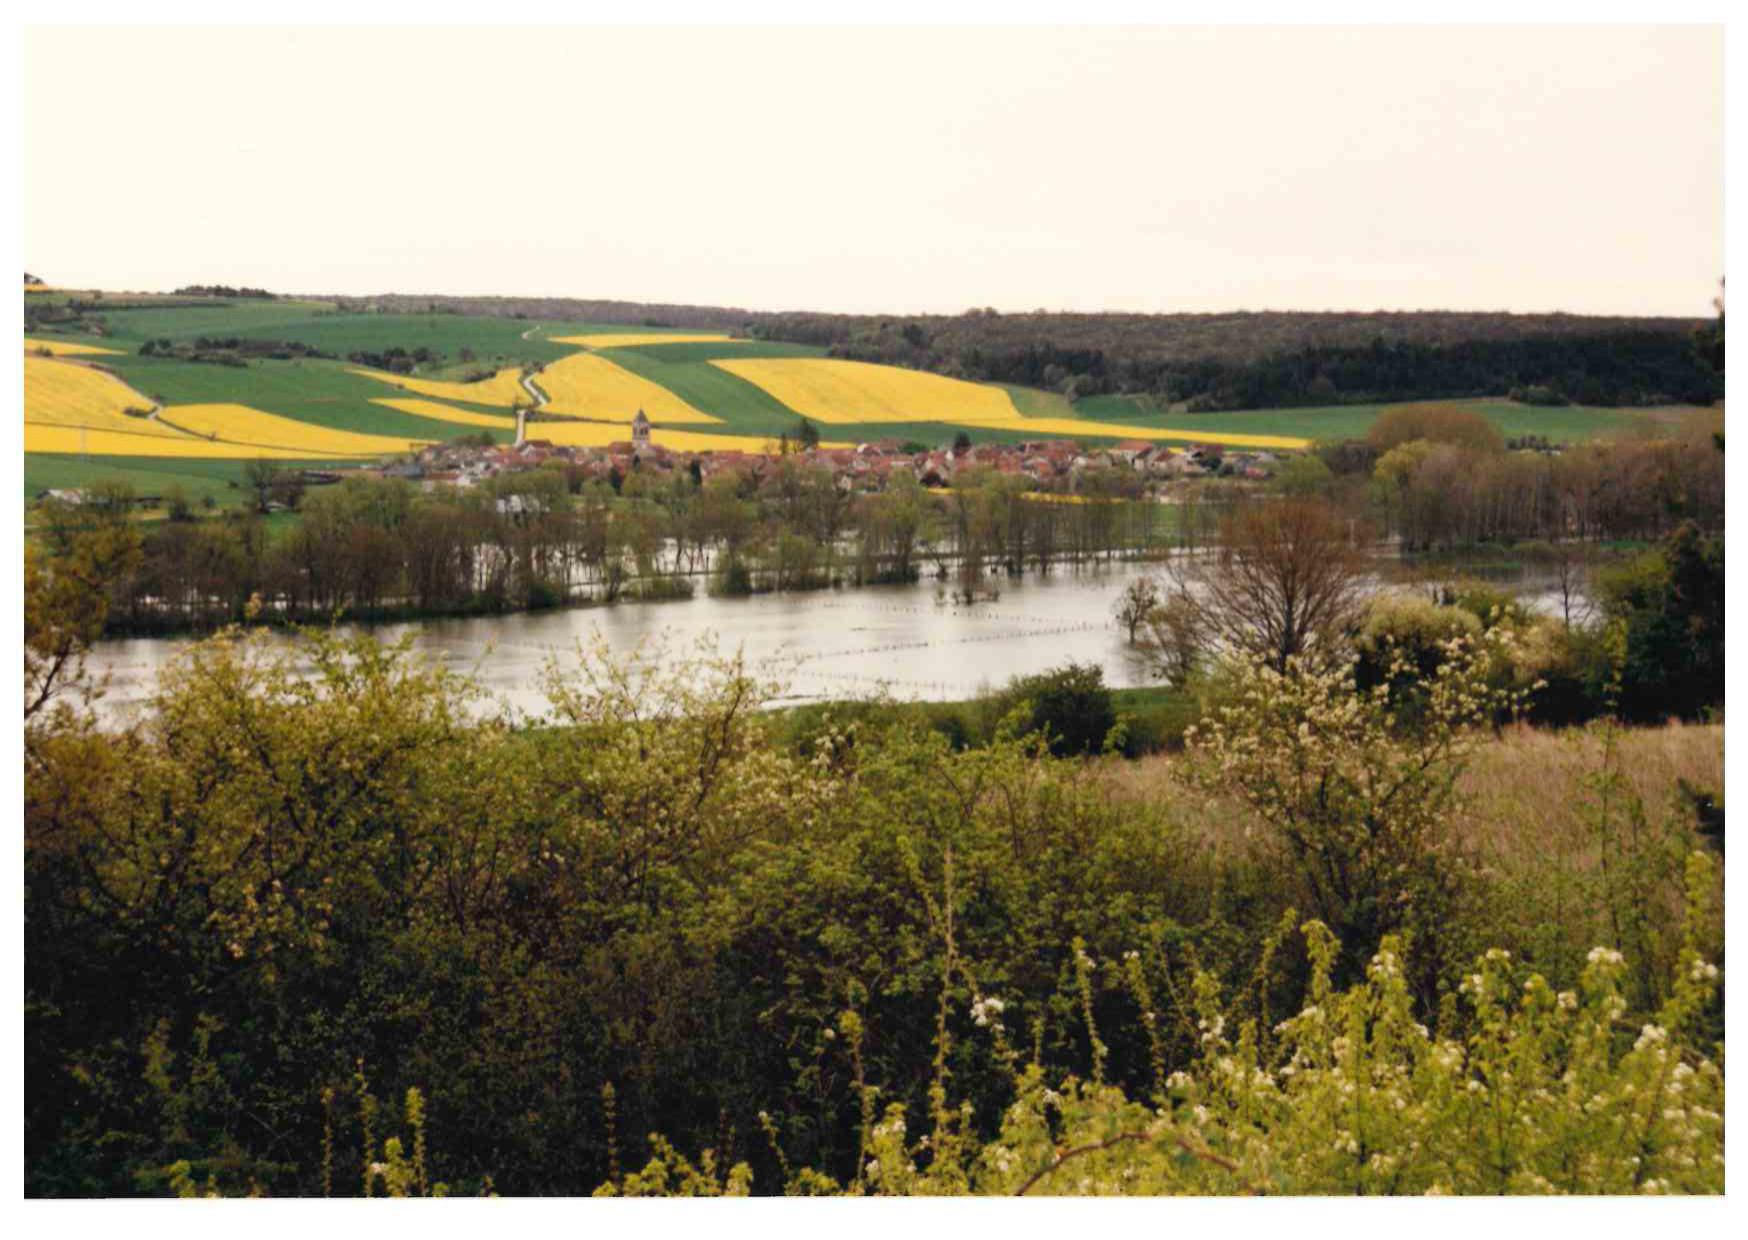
1051 464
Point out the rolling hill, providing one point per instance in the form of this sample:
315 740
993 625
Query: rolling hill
302 378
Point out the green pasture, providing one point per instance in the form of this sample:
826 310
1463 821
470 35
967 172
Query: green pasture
131 328
320 326
321 393
1037 403
709 350
1568 424
148 475
685 370
324 393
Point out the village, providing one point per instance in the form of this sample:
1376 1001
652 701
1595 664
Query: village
1055 466
1127 469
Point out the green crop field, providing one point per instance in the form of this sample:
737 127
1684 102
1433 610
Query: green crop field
685 370
217 318
1568 424
318 325
326 393
323 393
148 475
1037 403
706 350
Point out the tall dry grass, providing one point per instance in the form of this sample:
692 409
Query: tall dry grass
1523 793
1566 839
1527 794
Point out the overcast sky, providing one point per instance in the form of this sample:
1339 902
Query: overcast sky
1518 168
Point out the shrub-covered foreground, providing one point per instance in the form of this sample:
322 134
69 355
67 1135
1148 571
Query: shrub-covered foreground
1352 1094
859 960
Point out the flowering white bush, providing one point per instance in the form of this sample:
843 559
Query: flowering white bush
1521 1090
1355 784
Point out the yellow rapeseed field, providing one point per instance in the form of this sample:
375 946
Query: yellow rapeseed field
503 389
239 424
832 391
64 348
627 340
704 441
601 434
587 385
1082 428
80 411
67 394
446 413
77 441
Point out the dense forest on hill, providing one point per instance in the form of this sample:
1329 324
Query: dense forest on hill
1244 360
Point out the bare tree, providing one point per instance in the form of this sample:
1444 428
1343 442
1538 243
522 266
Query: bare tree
1136 604
1176 639
1285 581
1571 575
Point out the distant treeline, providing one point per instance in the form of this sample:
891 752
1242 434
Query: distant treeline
539 538
396 360
228 350
1255 361
1216 361
224 290
634 313
99 304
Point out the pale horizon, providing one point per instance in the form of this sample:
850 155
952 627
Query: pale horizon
1158 170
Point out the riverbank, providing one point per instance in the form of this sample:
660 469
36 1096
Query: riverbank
910 641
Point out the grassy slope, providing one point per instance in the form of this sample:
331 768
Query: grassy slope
147 475
237 318
685 370
1037 403
325 394
1568 425
316 324
322 393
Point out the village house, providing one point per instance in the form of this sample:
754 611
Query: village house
1053 465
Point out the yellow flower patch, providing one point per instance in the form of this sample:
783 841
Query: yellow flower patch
628 340
601 435
67 394
503 389
241 425
79 441
587 385
1082 428
64 348
833 391
446 413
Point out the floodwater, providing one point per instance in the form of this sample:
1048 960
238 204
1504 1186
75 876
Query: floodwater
910 641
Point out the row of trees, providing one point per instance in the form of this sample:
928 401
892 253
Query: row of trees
1443 478
541 537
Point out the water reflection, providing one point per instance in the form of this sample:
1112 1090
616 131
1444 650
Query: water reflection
910 640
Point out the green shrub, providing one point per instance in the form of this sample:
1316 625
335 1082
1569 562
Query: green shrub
1070 705
1520 1089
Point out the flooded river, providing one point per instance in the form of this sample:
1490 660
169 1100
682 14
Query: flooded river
912 641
